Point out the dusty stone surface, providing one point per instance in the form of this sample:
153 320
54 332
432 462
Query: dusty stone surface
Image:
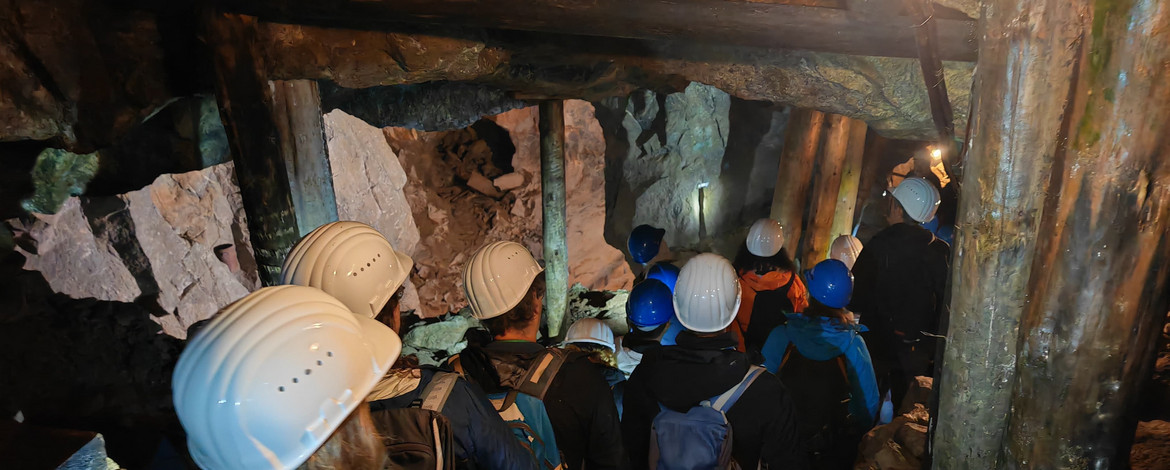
454 220
607 306
154 245
73 261
1151 446
900 444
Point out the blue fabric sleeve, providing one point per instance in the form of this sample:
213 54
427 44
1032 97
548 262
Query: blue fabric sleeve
774 348
864 407
486 439
672 331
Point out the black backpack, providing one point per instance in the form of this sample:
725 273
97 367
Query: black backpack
820 391
419 437
767 313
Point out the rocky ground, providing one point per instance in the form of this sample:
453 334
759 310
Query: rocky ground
900 444
1151 444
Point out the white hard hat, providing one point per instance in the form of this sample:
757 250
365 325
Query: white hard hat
274 374
707 295
765 238
350 261
498 277
918 197
590 330
845 249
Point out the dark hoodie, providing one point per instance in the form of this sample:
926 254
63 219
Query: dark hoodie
698 368
899 281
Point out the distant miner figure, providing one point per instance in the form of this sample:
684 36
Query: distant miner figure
899 283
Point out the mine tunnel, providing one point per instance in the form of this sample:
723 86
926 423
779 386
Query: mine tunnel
807 234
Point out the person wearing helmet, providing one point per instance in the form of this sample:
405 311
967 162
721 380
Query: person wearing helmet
899 288
823 360
356 264
770 285
278 380
845 249
664 272
595 339
505 287
645 244
650 315
705 364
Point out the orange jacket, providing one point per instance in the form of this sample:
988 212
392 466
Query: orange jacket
751 283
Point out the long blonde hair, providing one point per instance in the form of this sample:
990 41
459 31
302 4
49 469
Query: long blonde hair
355 445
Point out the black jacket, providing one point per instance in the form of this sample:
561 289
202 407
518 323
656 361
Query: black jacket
643 341
581 408
482 439
899 281
679 377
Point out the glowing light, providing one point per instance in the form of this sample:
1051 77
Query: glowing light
936 154
703 185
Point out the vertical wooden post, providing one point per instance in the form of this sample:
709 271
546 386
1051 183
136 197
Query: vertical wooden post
814 245
1098 292
296 110
797 159
850 180
552 188
245 99
1027 50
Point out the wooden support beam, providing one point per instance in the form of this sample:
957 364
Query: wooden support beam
794 178
930 59
1021 85
822 207
1098 291
844 218
738 23
296 110
552 188
245 101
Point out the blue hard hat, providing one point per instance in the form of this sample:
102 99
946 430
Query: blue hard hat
830 283
644 242
650 304
665 272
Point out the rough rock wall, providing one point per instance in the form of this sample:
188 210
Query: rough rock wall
458 207
665 150
156 246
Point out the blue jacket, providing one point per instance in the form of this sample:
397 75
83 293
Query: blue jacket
821 339
481 437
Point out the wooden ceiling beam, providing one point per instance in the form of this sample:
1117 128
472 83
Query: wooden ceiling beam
707 21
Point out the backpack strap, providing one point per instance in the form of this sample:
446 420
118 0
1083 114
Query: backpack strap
727 399
541 372
434 395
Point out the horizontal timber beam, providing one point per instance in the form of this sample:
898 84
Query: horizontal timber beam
736 23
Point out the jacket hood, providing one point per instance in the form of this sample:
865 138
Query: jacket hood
821 338
710 364
771 280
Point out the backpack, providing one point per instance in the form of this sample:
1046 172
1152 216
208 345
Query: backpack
767 313
418 437
701 438
521 407
821 392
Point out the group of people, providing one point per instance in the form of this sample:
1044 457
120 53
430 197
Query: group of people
726 363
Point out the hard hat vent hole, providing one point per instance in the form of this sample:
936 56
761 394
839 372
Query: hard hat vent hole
308 371
320 363
379 255
296 380
363 269
281 388
330 354
367 265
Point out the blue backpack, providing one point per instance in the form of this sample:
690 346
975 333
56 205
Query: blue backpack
701 437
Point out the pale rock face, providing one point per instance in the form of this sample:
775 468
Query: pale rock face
73 261
368 183
165 246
